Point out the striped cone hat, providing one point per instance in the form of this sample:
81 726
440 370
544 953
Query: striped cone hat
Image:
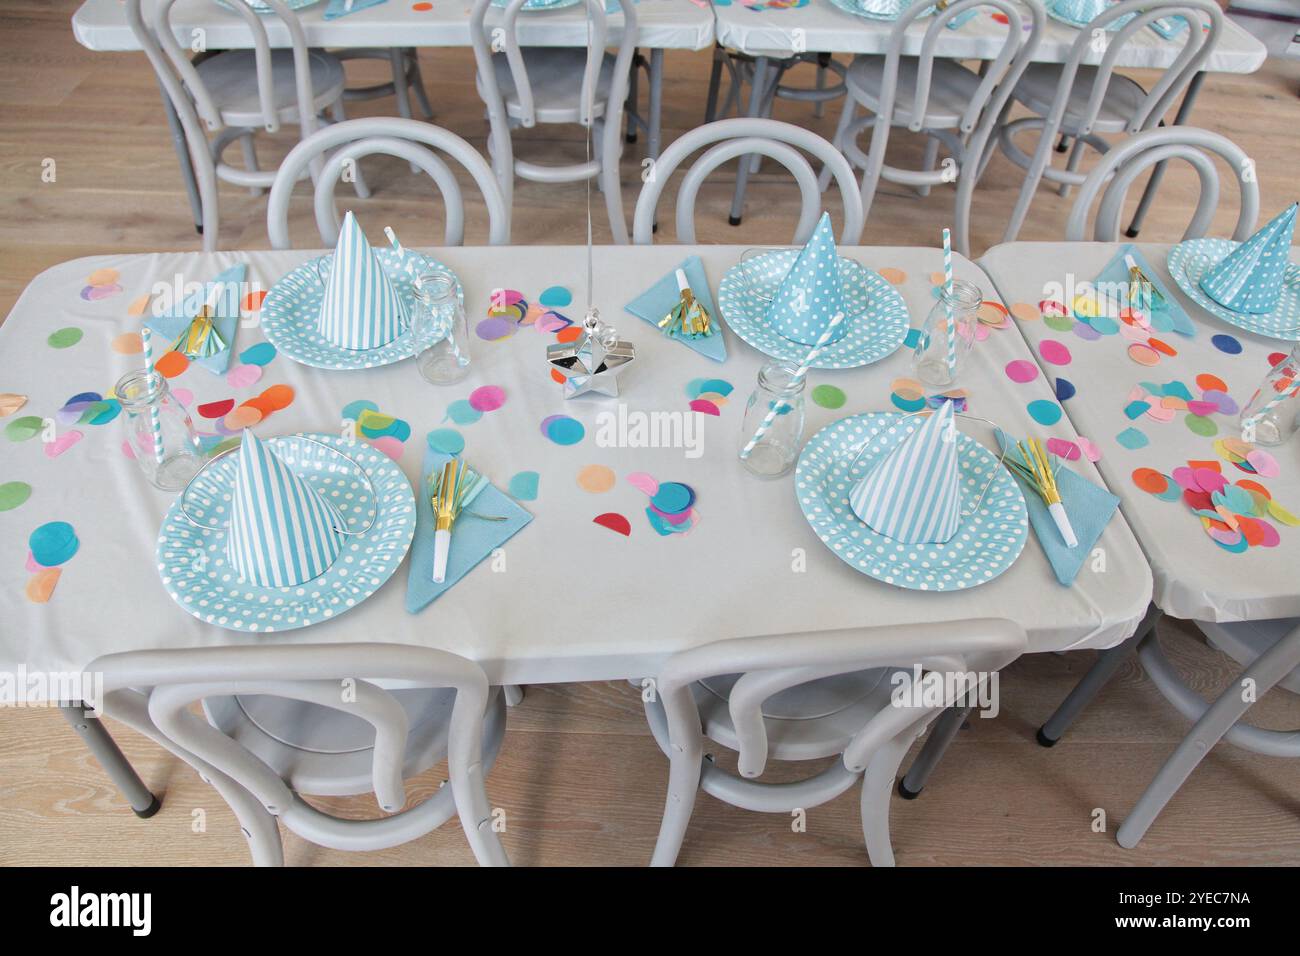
282 533
361 309
913 495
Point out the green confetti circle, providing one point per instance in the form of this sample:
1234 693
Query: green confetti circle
14 493
1202 425
64 338
21 429
1061 323
828 396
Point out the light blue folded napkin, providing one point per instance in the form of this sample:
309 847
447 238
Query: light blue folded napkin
339 8
1169 315
653 304
472 539
225 319
1088 507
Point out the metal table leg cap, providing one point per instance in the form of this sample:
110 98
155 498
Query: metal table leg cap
905 793
148 811
734 220
1131 233
1046 741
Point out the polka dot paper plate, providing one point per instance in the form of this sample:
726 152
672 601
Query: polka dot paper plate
877 320
192 561
292 307
987 541
1190 260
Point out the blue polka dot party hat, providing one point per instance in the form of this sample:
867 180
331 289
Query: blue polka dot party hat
1078 11
361 309
913 495
811 292
1249 279
282 533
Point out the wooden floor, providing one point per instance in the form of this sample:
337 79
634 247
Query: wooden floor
579 777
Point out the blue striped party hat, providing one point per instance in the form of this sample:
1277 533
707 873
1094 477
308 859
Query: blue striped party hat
282 533
811 292
361 309
913 495
1249 279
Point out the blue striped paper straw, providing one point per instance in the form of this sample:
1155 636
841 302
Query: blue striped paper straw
155 418
947 296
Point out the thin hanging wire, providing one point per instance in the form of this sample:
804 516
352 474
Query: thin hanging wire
591 124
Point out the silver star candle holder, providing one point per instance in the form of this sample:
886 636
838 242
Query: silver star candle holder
592 362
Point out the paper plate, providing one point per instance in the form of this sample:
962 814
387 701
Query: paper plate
192 561
260 7
851 6
292 307
877 323
539 4
987 541
1190 260
1083 24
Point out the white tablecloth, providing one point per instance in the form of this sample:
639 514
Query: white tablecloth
1194 578
576 601
661 24
827 29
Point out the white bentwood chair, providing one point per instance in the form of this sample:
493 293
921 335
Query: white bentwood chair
802 697
286 720
402 138
955 107
1083 102
235 93
556 85
745 137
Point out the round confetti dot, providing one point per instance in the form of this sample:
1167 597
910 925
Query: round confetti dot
260 354
568 334
1265 464
1202 425
1150 480
992 313
40 586
704 406
907 404
1086 332
1052 307
354 409
1064 449
556 297
494 329
552 322
893 276
64 338
243 417
1025 311
1207 382
53 543
1044 412
558 377
937 278
1143 354
13 494
1060 323
828 396
673 498
1065 390
137 306
253 301
104 276
1226 344
1103 325
1054 352
1022 370
614 522
446 440
565 430
10 402
643 482
487 398
1161 346
128 343
390 446
596 479
216 409
463 413
22 429
422 7
241 376
523 485
53 449
1276 358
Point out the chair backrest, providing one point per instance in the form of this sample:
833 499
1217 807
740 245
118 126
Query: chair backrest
153 691
999 77
771 664
1124 162
505 40
203 102
404 138
1095 39
742 137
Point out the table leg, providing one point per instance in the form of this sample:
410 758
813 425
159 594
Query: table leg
183 154
942 734
96 737
1092 682
656 102
1157 174
755 110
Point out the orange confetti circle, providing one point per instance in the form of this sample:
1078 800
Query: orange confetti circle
568 334
253 301
1143 354
893 276
128 343
41 585
243 417
1205 382
1150 480
1025 311
171 364
136 308
276 397
596 479
103 277
422 7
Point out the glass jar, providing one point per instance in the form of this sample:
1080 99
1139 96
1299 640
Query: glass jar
159 431
942 349
772 429
1272 415
441 330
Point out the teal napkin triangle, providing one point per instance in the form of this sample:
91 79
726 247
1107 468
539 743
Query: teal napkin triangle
1166 316
1088 507
472 539
226 321
339 8
653 304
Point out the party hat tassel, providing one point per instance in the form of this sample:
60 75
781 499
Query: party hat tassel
688 318
1142 292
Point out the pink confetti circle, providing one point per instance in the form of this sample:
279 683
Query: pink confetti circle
1064 449
644 482
705 406
1022 370
390 446
241 376
1054 352
1265 465
487 398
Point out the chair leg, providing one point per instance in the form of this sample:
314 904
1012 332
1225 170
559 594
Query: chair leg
1274 664
260 828
1033 176
715 82
656 105
847 112
1092 682
633 94
1071 165
877 788
945 729
683 784
742 166
514 695
250 161
398 62
417 83
928 162
107 754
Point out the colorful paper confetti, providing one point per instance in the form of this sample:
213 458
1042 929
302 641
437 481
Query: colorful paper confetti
596 479
523 485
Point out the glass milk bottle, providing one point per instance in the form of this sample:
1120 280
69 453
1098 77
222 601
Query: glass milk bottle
1272 415
940 354
441 330
772 430
159 431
